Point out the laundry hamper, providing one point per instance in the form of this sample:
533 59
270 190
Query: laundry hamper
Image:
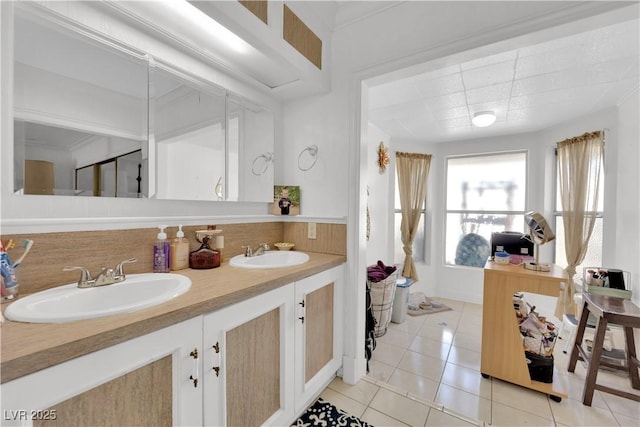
382 294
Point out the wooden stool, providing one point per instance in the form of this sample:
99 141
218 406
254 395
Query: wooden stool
608 310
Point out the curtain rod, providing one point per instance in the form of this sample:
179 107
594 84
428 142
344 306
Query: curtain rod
604 138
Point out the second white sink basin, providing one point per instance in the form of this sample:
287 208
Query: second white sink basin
69 303
270 259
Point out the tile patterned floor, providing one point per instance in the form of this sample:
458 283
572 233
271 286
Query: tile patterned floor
426 372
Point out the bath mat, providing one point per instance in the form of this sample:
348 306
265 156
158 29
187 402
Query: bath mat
323 413
420 304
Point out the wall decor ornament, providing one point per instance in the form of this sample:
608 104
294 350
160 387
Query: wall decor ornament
383 157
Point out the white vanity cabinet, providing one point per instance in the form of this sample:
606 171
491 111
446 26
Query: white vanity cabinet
248 360
149 380
267 358
319 342
260 361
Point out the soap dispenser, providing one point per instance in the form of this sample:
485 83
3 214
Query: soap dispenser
161 252
179 251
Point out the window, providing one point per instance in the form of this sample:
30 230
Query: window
418 240
485 194
593 257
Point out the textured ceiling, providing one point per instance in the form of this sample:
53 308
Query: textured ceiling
529 88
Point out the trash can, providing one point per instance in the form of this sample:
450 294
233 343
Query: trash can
401 300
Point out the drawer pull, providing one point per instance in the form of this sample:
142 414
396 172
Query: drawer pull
301 319
217 370
216 347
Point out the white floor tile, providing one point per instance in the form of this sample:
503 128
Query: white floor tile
362 392
343 402
622 406
406 410
425 366
467 404
437 358
521 398
396 337
378 419
464 357
429 347
503 415
388 353
573 413
411 325
470 341
415 384
437 332
380 371
625 421
467 379
438 418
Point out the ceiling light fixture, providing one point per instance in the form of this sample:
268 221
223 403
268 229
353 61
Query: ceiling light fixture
483 119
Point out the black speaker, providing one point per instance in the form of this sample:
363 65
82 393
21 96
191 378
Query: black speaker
616 279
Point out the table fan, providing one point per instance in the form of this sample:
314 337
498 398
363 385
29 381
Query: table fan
540 233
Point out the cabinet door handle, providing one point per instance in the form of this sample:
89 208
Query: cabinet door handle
216 347
194 377
301 303
217 370
301 319
195 381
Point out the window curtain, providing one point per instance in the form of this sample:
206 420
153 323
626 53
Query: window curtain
580 161
413 171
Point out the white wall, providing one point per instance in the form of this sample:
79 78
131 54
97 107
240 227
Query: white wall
380 200
626 243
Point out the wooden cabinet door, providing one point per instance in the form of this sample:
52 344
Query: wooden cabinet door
248 350
319 341
145 381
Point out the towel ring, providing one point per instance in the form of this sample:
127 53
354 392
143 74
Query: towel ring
313 152
267 158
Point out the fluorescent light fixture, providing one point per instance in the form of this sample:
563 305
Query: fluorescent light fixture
483 119
194 16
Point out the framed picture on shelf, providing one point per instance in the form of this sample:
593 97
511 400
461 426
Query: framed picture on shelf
286 200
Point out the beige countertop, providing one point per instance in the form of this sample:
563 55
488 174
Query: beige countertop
29 347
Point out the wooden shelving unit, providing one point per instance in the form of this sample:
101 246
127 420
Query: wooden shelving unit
502 351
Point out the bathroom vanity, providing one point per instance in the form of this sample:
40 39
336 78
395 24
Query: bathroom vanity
240 348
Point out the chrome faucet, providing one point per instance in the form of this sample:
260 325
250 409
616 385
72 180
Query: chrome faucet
262 247
107 276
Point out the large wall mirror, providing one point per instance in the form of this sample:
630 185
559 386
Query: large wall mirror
189 135
95 118
78 105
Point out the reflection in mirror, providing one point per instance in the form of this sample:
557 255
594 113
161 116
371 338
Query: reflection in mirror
77 102
116 177
189 137
251 135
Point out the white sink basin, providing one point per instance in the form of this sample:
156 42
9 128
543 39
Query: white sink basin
69 303
270 259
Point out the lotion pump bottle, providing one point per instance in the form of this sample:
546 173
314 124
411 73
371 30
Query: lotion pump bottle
179 251
161 252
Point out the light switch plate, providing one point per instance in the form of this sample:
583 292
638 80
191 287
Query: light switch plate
311 230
